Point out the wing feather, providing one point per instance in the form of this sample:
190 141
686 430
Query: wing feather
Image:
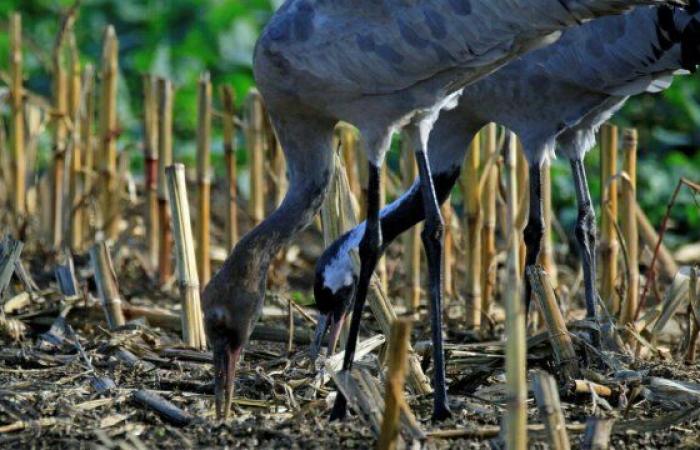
385 47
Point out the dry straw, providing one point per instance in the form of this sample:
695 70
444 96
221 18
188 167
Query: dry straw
17 114
204 113
472 235
229 131
74 216
192 324
60 139
349 143
667 265
108 135
165 158
412 240
255 141
546 258
107 286
628 216
549 406
394 397
488 230
448 249
609 244
559 337
87 119
150 153
516 408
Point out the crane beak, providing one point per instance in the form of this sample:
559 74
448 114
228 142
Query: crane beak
225 360
326 322
335 333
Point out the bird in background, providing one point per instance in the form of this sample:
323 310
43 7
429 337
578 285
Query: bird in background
380 65
557 96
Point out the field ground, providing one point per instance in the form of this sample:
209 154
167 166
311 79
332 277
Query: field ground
51 397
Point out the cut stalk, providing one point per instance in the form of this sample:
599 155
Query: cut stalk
516 412
396 375
523 177
192 325
150 156
107 286
60 139
229 117
108 135
447 255
87 118
549 405
204 178
6 168
337 213
76 186
17 114
665 260
597 434
412 239
628 216
488 230
279 168
472 235
338 216
363 176
255 142
348 139
609 244
381 264
546 258
693 317
564 353
165 158
168 411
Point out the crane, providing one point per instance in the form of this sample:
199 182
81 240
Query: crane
379 65
561 95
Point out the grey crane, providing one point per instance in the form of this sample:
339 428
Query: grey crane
556 95
379 65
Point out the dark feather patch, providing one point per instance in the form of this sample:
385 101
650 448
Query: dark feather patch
461 7
690 46
693 7
410 36
666 31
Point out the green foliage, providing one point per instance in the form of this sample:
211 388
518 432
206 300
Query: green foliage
178 40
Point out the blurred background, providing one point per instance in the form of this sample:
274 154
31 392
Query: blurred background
180 39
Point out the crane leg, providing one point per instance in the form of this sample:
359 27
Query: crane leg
370 248
585 234
534 231
432 237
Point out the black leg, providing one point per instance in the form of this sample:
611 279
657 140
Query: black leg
432 242
585 234
534 231
369 255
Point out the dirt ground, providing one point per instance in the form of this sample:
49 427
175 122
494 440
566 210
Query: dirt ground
55 393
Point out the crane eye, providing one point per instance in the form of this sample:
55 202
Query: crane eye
217 317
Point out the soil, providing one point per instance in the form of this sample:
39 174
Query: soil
52 397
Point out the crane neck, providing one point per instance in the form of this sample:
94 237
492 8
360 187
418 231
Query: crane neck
309 163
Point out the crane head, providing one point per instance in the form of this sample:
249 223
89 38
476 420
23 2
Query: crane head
230 308
334 291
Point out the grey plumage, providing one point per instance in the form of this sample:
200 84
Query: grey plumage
410 54
573 86
556 95
321 61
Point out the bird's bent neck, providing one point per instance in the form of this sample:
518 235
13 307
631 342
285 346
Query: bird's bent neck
308 150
